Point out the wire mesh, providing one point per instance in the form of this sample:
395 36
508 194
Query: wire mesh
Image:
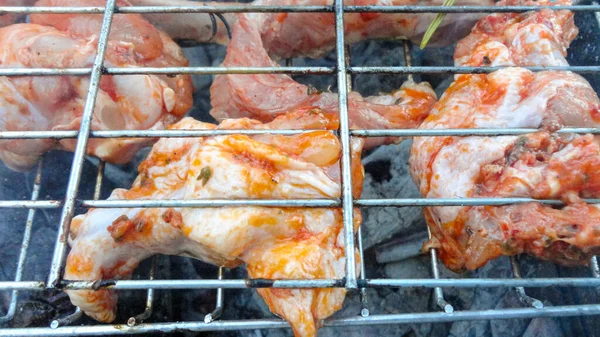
351 281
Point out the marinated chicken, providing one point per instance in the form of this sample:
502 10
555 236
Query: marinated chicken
313 34
265 96
132 102
541 165
275 243
287 34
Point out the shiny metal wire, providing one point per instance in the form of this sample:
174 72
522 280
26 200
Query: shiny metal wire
351 281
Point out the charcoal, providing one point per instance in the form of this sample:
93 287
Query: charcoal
382 223
541 327
401 249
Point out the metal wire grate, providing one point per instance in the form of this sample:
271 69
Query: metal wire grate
342 70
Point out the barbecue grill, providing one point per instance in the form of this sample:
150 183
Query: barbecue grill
142 323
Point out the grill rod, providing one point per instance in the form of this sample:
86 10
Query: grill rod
364 299
76 315
411 318
290 9
206 133
448 70
10 313
75 177
540 282
523 297
438 293
322 203
137 319
344 135
216 314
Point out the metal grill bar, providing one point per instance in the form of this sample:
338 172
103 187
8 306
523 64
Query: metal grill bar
523 297
284 202
221 70
449 70
132 321
30 204
216 314
82 140
466 9
346 169
291 9
364 299
464 132
166 71
24 246
595 268
580 282
210 203
145 133
66 320
167 9
437 291
458 202
359 133
412 318
392 70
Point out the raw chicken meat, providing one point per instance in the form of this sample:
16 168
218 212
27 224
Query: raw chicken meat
265 96
510 39
288 34
131 39
542 165
56 102
185 28
189 28
284 243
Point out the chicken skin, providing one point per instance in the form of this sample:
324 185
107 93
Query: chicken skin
133 102
542 165
283 243
312 35
266 96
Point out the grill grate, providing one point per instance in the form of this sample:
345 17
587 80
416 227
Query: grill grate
343 71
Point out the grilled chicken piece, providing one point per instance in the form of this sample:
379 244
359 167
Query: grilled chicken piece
542 165
132 39
137 102
274 242
265 96
288 34
189 28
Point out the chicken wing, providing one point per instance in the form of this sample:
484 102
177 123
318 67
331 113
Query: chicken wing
265 96
542 165
288 34
313 34
132 39
56 102
274 242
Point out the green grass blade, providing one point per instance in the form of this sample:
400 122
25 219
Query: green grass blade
435 24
